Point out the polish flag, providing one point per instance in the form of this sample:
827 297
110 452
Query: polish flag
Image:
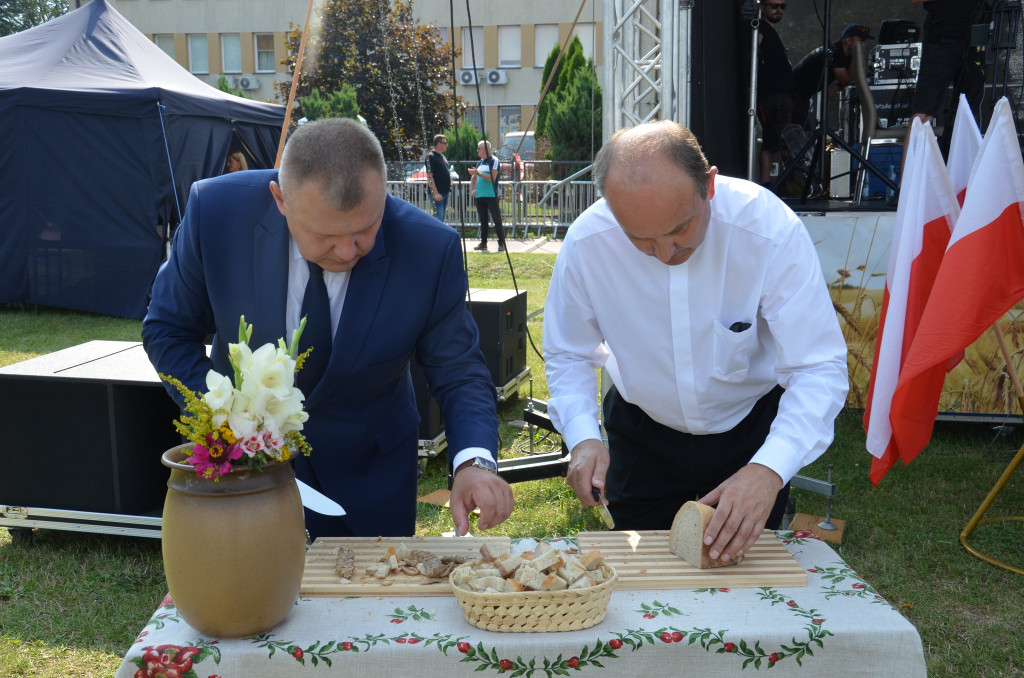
924 219
963 149
980 278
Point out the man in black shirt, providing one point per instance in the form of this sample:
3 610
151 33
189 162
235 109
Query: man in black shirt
438 176
774 85
807 73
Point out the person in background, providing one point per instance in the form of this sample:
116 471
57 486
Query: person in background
807 73
774 85
946 58
439 176
485 191
380 283
703 298
235 163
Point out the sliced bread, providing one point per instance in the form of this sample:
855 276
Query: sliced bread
687 537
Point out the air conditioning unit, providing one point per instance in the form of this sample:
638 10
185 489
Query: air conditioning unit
232 81
467 77
496 76
248 82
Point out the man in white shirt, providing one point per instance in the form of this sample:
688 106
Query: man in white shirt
703 298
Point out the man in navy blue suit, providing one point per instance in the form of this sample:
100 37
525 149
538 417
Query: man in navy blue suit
396 290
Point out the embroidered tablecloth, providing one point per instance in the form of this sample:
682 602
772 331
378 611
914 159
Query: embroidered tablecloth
838 624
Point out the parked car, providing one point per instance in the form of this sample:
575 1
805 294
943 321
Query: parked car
521 162
416 172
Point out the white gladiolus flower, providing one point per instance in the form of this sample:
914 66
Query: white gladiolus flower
270 368
220 392
240 355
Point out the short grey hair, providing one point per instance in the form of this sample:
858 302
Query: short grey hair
335 153
486 144
634 145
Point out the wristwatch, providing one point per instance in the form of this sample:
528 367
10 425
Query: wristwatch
486 463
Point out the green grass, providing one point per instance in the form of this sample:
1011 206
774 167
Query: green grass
71 604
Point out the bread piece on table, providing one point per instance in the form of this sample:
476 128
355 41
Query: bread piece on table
507 564
687 537
581 583
554 583
542 548
462 576
596 576
551 559
592 559
491 555
572 571
531 578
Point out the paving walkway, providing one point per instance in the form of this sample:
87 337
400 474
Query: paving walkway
541 245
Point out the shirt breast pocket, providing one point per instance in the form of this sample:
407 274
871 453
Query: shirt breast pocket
733 352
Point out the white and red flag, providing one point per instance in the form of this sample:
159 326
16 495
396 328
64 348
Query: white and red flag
980 279
963 149
924 219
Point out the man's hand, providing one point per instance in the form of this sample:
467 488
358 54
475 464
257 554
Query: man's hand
437 197
588 466
477 488
745 500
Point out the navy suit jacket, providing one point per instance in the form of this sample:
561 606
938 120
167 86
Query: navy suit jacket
406 298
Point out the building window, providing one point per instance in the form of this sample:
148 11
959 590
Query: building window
264 52
468 48
509 47
545 37
510 119
231 52
166 43
585 32
474 119
198 54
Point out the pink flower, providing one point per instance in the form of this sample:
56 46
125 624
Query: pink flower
214 459
251 445
167 661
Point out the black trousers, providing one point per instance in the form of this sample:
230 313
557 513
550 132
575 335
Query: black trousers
485 206
655 469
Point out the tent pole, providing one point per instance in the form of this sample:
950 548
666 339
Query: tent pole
295 84
998 487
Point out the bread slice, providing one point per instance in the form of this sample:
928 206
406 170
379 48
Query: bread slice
687 537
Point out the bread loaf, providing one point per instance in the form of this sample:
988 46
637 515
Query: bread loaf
687 537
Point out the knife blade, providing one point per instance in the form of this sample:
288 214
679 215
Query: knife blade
606 515
317 501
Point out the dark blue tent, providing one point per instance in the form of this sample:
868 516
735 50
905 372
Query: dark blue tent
101 136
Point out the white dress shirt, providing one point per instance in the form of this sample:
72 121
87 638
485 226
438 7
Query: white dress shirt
663 332
298 276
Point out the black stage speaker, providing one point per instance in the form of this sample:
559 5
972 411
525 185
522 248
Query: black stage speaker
84 444
898 30
431 424
501 318
720 88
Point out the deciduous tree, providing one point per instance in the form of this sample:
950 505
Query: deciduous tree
18 15
398 67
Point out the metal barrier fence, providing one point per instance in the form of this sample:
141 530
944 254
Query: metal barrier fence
538 206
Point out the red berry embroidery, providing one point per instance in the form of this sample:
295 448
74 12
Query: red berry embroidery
730 647
296 652
615 643
573 662
505 665
463 647
346 646
773 658
666 637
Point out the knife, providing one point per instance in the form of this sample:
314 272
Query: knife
317 501
606 515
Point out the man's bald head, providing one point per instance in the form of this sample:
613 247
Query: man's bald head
628 153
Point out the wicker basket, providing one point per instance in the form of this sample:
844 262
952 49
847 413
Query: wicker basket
537 611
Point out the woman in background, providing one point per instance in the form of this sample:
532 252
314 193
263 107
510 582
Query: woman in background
483 189
235 162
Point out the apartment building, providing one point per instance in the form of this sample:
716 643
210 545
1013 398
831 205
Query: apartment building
245 41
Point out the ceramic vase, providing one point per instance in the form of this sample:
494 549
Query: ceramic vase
233 549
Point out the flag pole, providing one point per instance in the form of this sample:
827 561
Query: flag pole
295 84
1003 479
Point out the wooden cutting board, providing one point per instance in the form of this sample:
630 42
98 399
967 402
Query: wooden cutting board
320 577
643 561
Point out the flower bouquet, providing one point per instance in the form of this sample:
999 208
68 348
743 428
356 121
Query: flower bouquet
253 419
